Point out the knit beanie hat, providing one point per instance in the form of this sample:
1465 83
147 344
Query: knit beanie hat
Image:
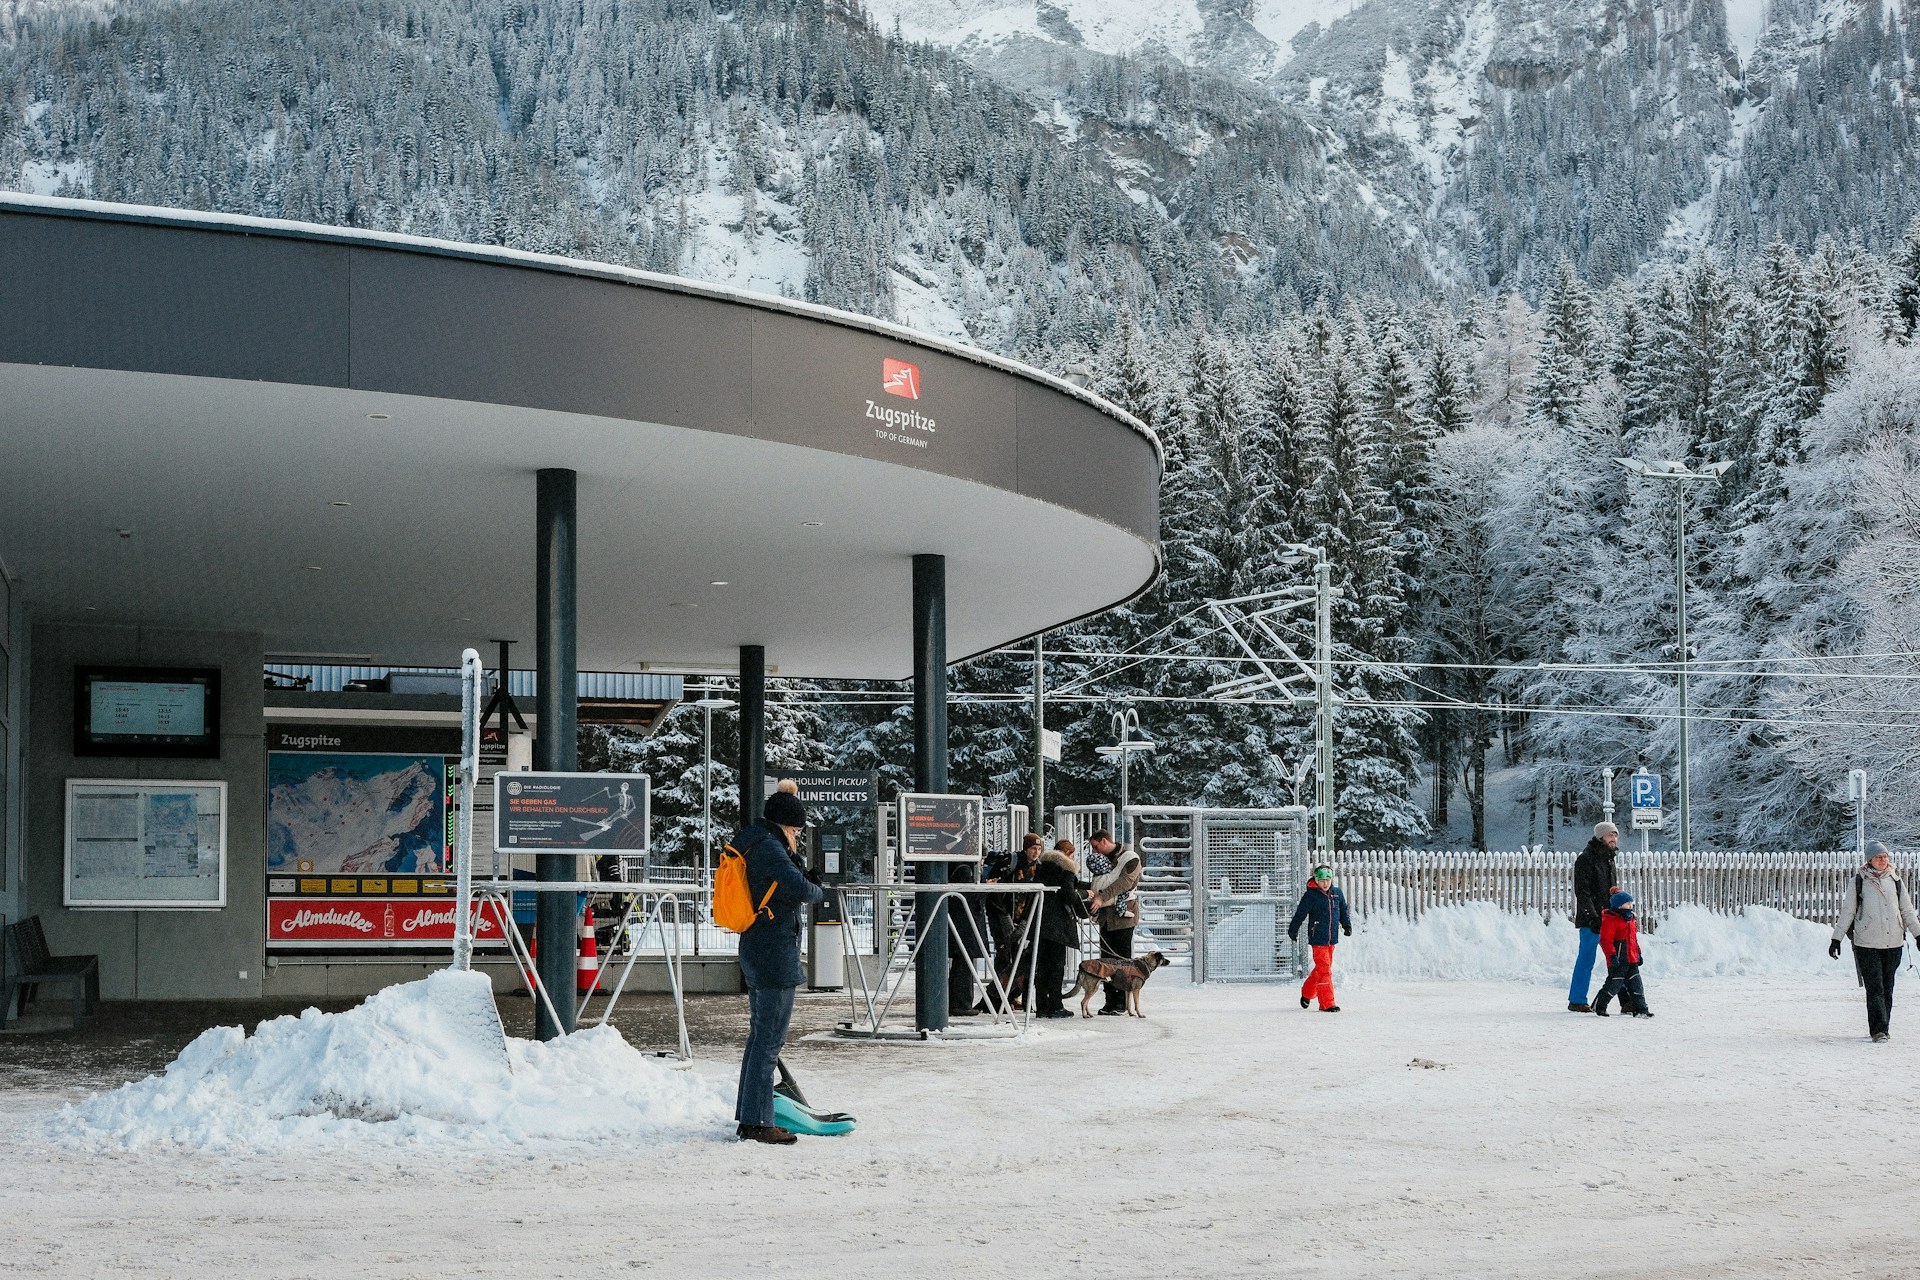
1620 899
783 807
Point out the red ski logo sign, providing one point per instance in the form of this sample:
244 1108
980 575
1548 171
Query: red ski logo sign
898 378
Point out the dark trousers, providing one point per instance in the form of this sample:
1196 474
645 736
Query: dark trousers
1116 944
1051 959
770 1010
1877 966
1623 980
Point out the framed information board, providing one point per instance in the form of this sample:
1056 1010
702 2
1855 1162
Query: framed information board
939 828
571 812
146 843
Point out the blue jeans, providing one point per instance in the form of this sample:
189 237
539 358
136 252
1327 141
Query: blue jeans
1583 967
770 1011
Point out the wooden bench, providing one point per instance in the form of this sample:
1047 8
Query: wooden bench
29 966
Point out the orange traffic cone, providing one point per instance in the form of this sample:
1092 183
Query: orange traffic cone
587 968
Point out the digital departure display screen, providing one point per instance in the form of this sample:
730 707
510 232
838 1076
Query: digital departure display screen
147 711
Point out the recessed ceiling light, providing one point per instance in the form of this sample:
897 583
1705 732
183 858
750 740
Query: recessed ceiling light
719 582
683 604
314 567
812 524
337 503
378 417
91 608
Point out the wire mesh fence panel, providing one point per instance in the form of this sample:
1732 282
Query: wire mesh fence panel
1249 873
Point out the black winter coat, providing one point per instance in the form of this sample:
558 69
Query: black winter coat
1594 877
770 950
1066 905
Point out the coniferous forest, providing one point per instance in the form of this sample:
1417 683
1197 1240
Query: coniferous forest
1425 374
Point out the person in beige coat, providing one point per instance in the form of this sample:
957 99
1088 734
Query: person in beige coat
1116 909
1876 913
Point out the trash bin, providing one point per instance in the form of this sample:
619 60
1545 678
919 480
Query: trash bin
826 957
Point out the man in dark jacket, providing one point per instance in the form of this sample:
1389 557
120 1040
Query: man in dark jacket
1060 913
770 954
1323 909
1594 882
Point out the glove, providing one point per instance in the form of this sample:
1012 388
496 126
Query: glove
1833 949
1347 929
1293 935
813 875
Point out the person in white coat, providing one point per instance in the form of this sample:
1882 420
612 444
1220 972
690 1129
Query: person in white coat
1876 913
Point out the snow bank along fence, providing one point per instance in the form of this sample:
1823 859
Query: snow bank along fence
1407 882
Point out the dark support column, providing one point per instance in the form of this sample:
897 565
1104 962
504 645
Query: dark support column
753 731
930 774
556 631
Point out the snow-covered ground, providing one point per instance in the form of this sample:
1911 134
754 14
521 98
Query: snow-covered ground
1430 1129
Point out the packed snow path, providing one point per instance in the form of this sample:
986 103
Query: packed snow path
1748 1130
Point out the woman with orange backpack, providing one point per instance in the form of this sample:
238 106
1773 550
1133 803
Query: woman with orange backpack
777 886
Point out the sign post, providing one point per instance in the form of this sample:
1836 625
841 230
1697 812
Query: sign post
1857 792
1643 793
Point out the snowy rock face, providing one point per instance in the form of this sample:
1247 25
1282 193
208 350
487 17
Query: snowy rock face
423 1062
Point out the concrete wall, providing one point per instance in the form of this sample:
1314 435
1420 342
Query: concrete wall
151 954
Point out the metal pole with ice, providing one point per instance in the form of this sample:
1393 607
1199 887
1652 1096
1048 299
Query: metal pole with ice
472 675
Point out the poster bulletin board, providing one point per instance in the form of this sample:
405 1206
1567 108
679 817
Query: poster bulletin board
146 843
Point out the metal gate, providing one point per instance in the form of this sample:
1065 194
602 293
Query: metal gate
1250 866
1163 837
1076 822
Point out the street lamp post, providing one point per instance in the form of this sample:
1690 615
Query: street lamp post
1128 742
1681 475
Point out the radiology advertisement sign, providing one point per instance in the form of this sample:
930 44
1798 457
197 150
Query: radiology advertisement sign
570 812
939 828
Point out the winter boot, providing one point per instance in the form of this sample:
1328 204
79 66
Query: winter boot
1572 1007
1600 1005
1305 1001
772 1134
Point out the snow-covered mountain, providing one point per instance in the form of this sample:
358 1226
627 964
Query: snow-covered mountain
1495 135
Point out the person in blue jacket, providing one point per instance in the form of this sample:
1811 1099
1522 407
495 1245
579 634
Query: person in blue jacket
1323 909
770 954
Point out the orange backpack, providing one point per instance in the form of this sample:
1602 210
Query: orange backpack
733 907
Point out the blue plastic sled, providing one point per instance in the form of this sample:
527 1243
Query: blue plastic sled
791 1112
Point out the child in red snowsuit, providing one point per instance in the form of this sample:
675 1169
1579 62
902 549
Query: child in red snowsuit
1620 944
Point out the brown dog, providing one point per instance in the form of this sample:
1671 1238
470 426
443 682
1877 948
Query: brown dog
1128 975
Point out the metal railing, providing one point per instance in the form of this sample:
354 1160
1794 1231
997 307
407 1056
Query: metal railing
1407 882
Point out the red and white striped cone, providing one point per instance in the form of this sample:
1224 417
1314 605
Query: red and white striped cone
587 968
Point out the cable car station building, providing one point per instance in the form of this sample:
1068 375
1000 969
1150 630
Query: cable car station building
229 444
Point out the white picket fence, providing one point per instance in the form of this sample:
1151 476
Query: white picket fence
1407 882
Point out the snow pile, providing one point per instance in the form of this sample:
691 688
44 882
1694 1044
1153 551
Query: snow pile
1480 941
416 1064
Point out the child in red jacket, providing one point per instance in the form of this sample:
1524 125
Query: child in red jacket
1620 944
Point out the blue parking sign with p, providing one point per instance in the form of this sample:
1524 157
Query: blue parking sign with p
1644 789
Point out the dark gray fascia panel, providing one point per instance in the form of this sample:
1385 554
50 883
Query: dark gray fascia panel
504 334
825 387
173 300
323 307
1071 456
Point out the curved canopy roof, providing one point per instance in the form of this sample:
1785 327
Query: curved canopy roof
330 437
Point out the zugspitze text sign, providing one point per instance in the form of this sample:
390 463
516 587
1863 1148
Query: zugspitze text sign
570 812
